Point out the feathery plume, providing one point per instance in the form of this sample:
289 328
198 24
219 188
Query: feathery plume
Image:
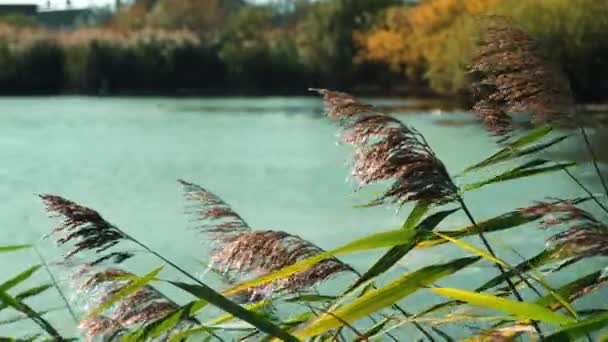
240 252
209 207
95 283
85 228
511 76
388 150
585 237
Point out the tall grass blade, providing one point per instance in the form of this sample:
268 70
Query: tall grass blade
572 289
398 252
577 330
13 248
20 306
183 335
522 310
473 249
513 150
536 261
497 261
505 221
528 169
387 295
225 304
19 278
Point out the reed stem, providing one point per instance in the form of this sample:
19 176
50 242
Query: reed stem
582 186
594 159
500 268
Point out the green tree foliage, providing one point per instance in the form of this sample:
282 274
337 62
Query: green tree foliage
206 18
325 37
259 52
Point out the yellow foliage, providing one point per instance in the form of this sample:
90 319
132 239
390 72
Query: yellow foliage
413 38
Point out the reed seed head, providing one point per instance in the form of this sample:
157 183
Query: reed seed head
388 150
585 236
239 252
95 283
85 228
510 75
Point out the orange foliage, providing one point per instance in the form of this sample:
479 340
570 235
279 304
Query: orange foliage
414 38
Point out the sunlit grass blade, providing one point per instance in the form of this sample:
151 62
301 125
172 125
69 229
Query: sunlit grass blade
513 150
127 290
165 324
570 289
385 296
251 307
13 248
505 221
574 331
536 261
521 310
376 328
488 256
19 278
374 241
215 298
197 331
416 215
532 168
28 293
473 249
18 305
398 252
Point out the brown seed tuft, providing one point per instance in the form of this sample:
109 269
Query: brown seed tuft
585 236
510 75
85 228
240 253
388 150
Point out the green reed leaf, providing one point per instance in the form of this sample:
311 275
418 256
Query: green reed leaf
514 150
378 299
569 289
251 307
529 169
574 331
29 293
4 249
488 256
129 289
521 310
215 298
398 252
20 306
183 335
473 249
503 222
19 278
536 261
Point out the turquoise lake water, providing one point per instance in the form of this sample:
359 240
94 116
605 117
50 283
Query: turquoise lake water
275 160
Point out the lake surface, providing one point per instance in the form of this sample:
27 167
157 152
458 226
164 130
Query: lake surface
275 160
